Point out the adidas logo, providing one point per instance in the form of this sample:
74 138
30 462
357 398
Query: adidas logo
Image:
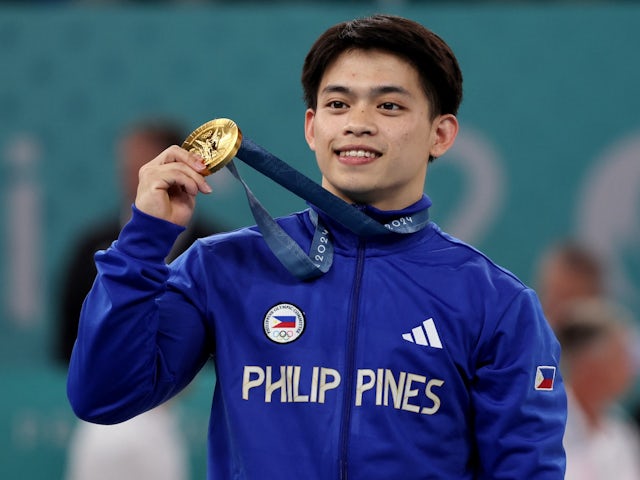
425 334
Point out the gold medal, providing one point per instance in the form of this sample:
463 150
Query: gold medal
217 142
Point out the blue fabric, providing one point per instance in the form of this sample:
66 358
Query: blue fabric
418 357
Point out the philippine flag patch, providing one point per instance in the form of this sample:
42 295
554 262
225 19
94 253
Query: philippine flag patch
545 377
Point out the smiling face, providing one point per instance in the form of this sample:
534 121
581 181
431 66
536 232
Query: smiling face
372 130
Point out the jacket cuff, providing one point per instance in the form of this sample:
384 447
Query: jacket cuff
147 238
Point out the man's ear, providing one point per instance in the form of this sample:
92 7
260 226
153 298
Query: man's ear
444 131
309 133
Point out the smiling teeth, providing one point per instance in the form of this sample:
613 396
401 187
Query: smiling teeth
358 153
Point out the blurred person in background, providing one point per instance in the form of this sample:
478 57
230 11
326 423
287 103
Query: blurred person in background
138 142
601 441
152 445
568 271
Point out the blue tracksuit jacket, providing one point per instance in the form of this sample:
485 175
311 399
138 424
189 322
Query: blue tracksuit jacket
414 357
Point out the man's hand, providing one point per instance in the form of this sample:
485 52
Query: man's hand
168 185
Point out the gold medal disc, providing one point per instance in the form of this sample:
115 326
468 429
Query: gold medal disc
217 142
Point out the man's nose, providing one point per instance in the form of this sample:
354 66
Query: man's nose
360 122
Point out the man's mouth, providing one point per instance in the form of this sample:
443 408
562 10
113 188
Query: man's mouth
357 153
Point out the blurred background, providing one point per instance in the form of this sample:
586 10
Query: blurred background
549 148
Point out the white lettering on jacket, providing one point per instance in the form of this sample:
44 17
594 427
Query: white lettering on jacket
405 391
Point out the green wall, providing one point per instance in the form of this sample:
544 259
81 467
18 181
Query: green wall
549 147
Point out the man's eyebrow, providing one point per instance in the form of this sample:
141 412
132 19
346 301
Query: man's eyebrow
382 89
336 89
374 92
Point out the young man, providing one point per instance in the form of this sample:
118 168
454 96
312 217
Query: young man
413 356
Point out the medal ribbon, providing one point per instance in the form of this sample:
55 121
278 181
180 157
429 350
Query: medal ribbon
302 265
290 254
268 164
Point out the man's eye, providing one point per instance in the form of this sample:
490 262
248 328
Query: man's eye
390 106
337 104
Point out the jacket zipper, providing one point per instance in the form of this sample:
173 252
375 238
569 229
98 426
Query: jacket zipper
350 361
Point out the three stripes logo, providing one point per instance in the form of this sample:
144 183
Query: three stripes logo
425 334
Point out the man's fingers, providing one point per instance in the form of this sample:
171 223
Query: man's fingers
175 154
182 175
175 165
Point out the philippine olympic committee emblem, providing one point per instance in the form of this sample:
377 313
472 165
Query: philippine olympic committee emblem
284 323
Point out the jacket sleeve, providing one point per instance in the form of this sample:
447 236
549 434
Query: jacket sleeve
131 354
518 395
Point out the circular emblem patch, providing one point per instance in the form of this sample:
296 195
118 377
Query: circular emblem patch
284 323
